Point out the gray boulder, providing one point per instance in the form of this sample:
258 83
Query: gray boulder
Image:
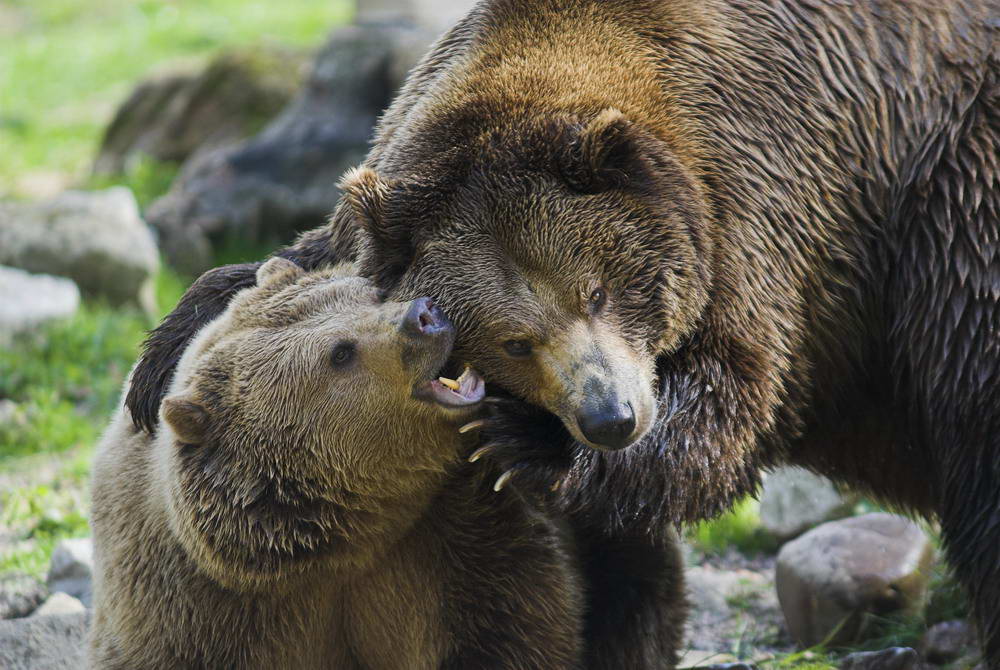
20 595
29 301
830 579
71 569
97 239
59 603
56 642
171 116
793 500
284 179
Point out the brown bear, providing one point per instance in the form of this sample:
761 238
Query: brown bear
729 234
305 504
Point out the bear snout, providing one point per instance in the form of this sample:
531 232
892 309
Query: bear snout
425 319
607 423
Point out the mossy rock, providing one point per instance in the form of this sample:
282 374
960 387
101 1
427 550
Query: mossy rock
172 116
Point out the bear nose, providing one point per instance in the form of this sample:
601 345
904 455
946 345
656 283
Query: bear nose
424 319
609 425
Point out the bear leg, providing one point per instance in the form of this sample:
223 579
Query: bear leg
943 302
636 604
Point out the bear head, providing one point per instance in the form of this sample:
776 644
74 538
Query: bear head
307 422
571 250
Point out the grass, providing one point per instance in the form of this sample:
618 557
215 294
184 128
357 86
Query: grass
147 178
739 528
63 383
66 64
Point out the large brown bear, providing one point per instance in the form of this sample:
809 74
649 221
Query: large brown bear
728 233
307 504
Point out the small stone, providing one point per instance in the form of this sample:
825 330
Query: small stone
948 641
56 642
71 569
96 238
59 603
893 658
20 595
793 500
830 578
29 301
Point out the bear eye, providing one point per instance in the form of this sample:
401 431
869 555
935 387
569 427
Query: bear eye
598 298
517 348
342 354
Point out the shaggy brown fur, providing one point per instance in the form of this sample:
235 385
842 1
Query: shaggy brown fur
297 512
793 207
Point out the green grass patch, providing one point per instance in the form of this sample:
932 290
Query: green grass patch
147 178
42 516
66 64
738 529
64 382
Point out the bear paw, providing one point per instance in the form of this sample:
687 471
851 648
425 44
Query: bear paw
525 442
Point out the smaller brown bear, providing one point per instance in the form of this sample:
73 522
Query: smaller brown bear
307 503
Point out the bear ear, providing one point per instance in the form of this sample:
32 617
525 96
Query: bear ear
278 270
188 418
367 194
388 247
605 153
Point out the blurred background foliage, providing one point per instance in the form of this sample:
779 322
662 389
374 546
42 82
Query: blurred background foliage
65 65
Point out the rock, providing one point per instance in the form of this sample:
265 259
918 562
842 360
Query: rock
283 180
171 116
56 642
893 658
59 603
435 16
38 184
71 569
95 238
830 578
20 595
793 500
28 301
948 641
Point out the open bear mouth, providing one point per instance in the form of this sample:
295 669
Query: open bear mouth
468 390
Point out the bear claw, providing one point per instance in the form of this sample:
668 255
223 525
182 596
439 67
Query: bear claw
472 425
481 451
502 480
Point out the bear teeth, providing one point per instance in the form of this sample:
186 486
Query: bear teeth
450 383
